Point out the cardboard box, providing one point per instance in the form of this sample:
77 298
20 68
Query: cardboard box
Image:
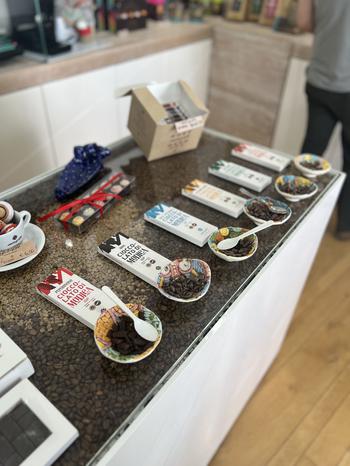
166 119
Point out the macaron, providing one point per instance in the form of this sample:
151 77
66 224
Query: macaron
78 220
6 212
7 228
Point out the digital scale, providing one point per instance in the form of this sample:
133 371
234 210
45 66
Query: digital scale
32 431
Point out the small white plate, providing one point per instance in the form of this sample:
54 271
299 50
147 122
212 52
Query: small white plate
31 233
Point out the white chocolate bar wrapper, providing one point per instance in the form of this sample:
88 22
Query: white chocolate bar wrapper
214 197
238 174
134 257
262 157
180 223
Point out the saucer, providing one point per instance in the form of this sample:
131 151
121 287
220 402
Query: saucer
31 233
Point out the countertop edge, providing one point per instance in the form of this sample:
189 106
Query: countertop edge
156 38
36 74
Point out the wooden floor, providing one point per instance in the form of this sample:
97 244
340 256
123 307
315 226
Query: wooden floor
300 414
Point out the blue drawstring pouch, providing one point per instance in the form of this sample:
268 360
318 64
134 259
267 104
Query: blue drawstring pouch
85 165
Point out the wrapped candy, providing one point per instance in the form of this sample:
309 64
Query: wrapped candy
85 165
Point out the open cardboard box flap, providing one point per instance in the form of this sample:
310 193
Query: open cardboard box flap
154 95
149 101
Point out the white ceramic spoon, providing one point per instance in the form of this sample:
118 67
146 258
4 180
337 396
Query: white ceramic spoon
143 328
230 243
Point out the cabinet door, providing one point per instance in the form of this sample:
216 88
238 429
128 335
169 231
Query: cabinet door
291 124
84 108
190 63
25 145
130 73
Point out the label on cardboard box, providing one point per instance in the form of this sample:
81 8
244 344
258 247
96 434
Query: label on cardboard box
262 157
134 257
189 124
74 295
214 197
240 175
180 223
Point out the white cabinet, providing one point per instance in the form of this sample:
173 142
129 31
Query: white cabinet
26 148
190 63
41 125
292 119
83 108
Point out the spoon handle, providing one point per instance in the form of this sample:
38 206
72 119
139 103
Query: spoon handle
247 193
118 302
256 229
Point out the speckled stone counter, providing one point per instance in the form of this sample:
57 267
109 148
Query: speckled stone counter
99 397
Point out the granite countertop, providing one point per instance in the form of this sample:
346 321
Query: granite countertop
23 72
98 396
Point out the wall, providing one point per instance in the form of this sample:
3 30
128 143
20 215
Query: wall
4 17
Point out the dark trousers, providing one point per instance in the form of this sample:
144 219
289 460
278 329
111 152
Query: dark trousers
326 109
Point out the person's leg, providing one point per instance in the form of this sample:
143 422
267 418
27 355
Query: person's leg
321 121
344 199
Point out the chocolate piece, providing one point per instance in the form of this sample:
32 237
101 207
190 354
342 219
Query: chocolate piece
125 339
314 165
174 113
185 287
242 249
297 188
261 210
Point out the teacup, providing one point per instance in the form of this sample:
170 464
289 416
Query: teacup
15 236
